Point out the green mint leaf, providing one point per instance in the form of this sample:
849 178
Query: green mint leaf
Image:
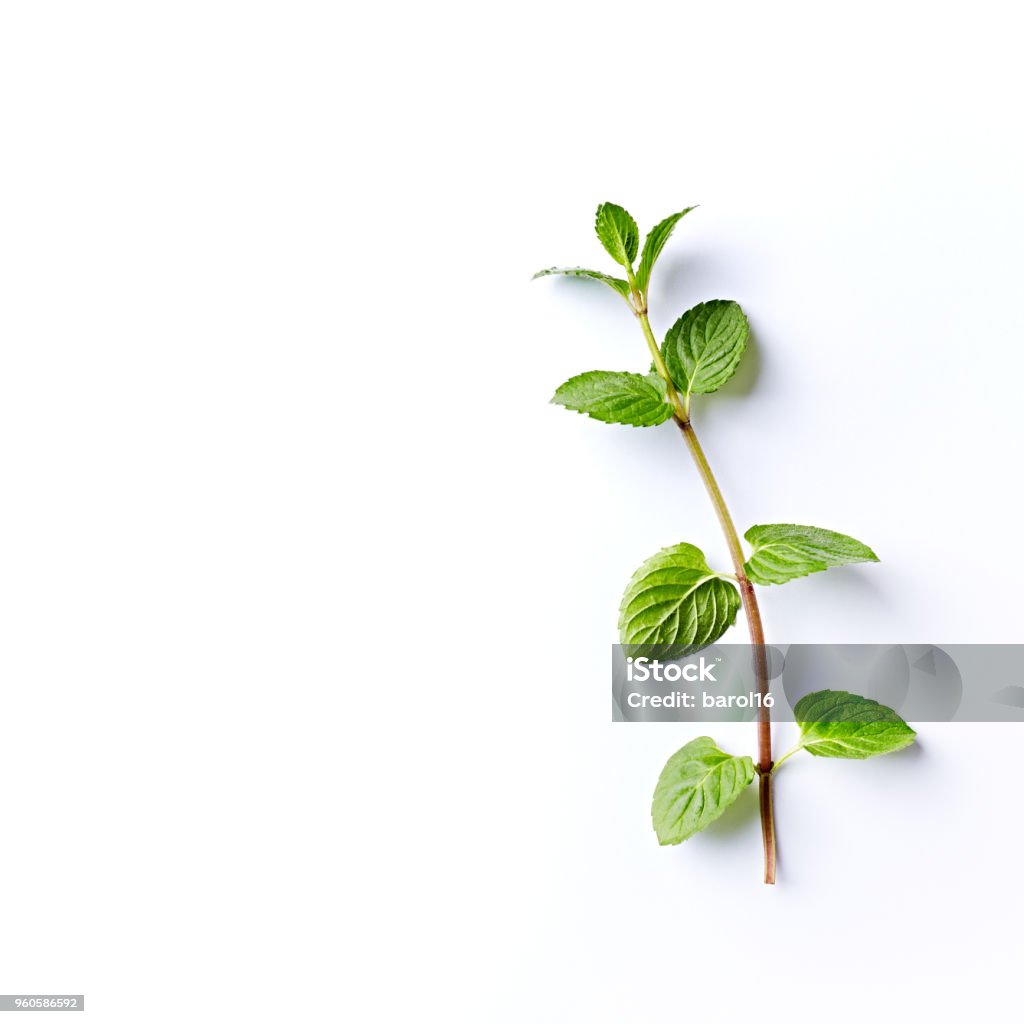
834 723
784 552
616 283
653 245
696 786
618 233
611 397
703 347
675 599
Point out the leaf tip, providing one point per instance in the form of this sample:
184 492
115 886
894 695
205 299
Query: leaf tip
666 840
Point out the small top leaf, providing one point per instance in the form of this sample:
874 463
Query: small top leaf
618 233
675 599
615 283
653 245
611 397
834 723
696 786
784 552
703 347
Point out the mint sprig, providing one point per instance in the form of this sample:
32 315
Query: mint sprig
676 599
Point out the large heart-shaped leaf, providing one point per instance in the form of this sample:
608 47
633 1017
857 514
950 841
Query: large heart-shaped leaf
675 599
703 347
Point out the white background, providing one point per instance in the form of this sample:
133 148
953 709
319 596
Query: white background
306 593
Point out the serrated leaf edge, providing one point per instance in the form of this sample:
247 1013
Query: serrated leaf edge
636 234
617 284
708 574
646 378
743 759
644 270
808 744
754 575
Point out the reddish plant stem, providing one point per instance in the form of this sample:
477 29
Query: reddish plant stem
760 654
681 415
